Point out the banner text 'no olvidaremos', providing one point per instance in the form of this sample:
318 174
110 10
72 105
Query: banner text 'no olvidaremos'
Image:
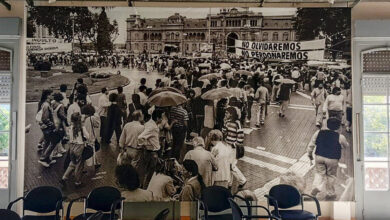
304 50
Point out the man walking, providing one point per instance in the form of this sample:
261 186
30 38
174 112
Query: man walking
328 145
179 121
262 96
103 105
334 104
318 98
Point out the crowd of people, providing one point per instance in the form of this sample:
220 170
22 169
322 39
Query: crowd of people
173 152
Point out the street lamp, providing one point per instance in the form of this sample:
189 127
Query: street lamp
149 29
182 44
73 16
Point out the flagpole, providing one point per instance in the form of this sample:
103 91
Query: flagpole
209 25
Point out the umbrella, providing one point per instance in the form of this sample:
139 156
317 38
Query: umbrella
225 66
204 65
210 76
244 72
156 91
286 81
218 93
166 99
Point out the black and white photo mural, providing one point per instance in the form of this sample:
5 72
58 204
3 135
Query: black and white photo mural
163 102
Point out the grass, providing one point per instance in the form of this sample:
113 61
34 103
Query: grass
35 84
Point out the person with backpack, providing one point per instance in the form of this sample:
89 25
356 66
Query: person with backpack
60 123
46 122
327 145
78 136
283 96
234 136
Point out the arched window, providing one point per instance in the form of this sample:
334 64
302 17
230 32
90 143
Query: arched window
203 36
159 47
152 46
145 46
265 36
194 48
172 36
285 36
177 35
275 36
145 36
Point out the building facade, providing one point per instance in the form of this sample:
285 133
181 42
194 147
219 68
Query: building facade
189 35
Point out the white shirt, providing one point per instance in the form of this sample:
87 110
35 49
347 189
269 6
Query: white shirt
73 108
334 102
103 105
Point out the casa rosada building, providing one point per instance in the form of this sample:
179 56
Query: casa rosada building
191 35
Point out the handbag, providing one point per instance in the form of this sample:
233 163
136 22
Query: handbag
88 150
97 144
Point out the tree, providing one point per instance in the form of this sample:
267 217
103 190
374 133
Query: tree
106 33
59 22
332 23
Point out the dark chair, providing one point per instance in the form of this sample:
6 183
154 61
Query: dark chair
162 215
285 197
96 216
104 199
216 199
9 214
42 199
238 215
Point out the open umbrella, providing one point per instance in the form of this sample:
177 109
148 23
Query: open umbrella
286 81
166 99
216 94
204 65
225 66
244 72
210 76
156 91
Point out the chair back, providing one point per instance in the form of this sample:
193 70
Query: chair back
287 196
8 214
96 216
42 199
216 198
162 215
102 198
236 211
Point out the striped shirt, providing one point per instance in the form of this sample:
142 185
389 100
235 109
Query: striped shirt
233 133
180 115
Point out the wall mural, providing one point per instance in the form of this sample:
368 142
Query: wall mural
161 102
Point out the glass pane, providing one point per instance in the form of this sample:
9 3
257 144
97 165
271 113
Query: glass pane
375 118
374 99
4 117
375 146
376 175
4 144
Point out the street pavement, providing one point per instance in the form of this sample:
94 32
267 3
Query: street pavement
274 152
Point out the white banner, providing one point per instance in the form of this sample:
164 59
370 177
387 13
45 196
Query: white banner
49 48
281 46
44 40
282 55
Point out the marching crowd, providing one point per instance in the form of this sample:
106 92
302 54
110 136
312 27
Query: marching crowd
186 132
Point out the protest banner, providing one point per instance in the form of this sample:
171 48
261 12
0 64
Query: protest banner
44 40
49 48
281 55
281 46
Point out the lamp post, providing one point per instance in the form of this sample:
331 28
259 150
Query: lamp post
182 44
149 30
72 16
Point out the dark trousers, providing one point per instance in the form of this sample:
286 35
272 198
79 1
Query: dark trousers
178 136
150 158
103 128
52 138
118 131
